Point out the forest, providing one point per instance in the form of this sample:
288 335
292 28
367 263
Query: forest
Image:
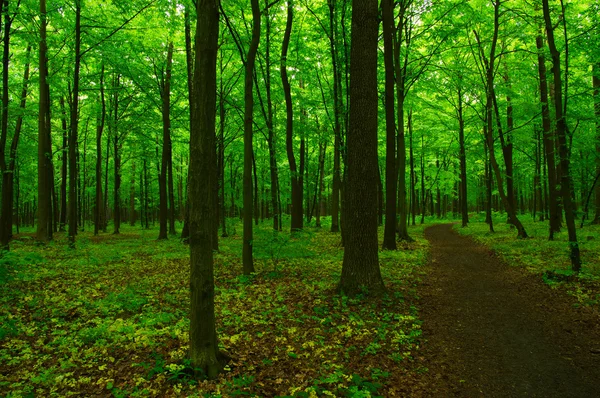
300 198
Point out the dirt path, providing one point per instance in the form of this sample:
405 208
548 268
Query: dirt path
497 331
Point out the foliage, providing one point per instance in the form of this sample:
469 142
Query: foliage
115 320
549 259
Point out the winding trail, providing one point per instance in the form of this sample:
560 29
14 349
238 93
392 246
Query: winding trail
497 331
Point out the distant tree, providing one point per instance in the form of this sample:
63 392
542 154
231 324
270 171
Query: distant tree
360 267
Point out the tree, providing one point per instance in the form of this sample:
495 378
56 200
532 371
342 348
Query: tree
167 157
391 172
74 129
204 348
44 226
295 175
360 268
248 263
561 132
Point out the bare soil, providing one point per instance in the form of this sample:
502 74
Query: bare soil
499 331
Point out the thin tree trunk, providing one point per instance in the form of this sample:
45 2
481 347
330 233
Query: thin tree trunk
596 85
247 258
295 176
337 104
561 131
464 210
165 85
73 205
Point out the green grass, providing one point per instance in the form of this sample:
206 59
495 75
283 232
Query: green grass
111 317
541 256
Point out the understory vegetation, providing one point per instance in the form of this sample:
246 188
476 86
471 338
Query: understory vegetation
537 254
111 318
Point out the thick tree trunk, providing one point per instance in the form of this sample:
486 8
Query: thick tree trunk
247 258
204 348
360 268
561 132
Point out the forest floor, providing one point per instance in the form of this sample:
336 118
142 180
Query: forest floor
110 318
497 331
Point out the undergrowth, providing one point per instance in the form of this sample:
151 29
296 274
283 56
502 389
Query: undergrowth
111 318
537 254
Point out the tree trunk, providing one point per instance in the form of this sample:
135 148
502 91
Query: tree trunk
44 227
8 178
204 348
596 84
489 65
297 219
561 131
117 159
165 94
360 268
247 258
73 205
464 210
337 104
391 172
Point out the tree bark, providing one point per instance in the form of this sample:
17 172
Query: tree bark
296 197
73 136
596 85
166 157
247 258
561 132
464 210
360 268
548 141
204 348
337 104
44 227
8 178
391 172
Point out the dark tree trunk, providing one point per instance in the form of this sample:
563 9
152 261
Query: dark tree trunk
337 104
204 348
490 98
132 217
412 208
561 132
274 174
8 178
464 210
391 172
63 172
73 205
166 158
295 176
44 211
247 258
360 268
116 159
548 140
596 84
